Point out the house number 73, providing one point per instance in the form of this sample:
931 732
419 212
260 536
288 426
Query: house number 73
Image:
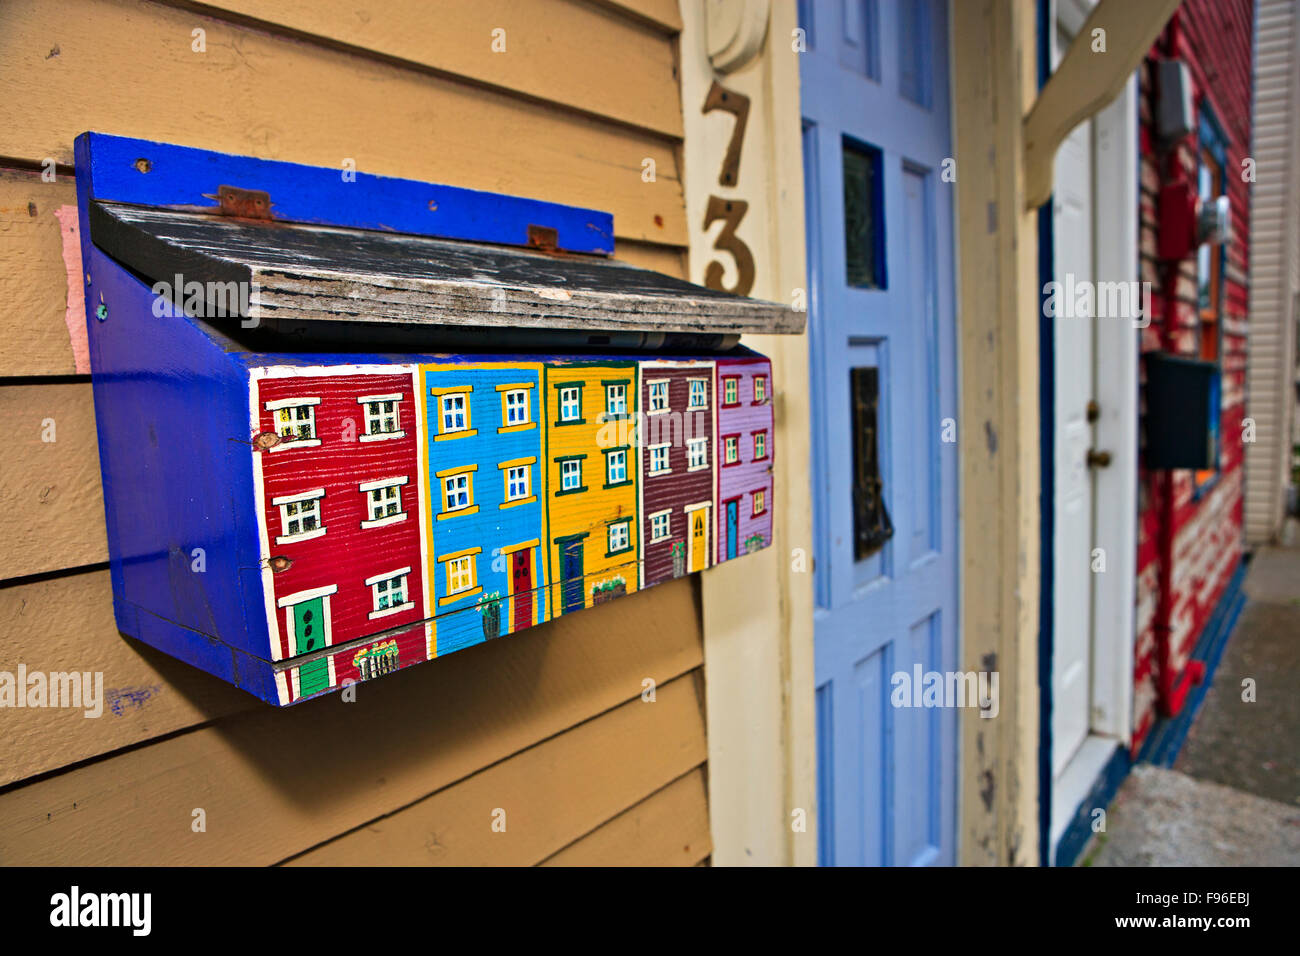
730 211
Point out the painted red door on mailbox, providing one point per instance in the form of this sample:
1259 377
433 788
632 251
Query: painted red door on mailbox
521 585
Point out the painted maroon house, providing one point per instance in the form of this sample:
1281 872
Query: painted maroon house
744 450
678 461
340 501
1190 524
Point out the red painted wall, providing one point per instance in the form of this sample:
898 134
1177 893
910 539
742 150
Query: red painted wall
347 554
1189 546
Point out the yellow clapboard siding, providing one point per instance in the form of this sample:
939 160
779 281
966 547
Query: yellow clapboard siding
668 828
670 260
128 68
664 15
273 782
51 505
565 52
33 280
618 757
66 624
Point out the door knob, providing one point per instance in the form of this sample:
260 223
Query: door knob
1098 459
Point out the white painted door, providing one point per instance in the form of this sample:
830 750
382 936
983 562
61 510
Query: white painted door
1074 214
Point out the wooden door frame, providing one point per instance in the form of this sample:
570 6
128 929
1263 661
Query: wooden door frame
1114 526
757 612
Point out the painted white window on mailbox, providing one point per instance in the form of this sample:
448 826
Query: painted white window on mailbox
383 416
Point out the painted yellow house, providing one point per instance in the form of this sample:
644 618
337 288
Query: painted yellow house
591 474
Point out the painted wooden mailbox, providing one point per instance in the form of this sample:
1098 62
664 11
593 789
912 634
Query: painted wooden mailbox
304 487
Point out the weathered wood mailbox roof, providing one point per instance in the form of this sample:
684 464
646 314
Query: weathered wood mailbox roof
313 245
319 273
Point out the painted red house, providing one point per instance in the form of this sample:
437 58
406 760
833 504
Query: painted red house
341 519
1190 523
678 468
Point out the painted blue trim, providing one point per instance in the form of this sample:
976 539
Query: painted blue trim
1102 792
1166 738
181 175
1047 470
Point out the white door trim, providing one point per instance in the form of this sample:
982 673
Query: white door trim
1115 492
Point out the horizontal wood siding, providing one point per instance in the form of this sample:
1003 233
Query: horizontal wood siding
1275 222
584 95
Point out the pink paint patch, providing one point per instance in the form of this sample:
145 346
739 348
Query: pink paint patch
75 317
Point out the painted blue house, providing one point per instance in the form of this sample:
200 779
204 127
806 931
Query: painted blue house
486 574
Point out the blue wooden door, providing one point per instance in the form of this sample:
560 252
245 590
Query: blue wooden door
733 522
880 247
572 576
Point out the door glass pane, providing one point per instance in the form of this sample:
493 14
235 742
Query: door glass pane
864 239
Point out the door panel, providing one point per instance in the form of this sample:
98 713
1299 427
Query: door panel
571 575
309 635
521 585
733 526
1074 327
880 235
309 626
699 538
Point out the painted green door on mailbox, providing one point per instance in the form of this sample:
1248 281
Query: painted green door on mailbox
308 636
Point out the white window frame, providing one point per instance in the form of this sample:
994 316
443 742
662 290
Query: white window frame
626 525
291 403
526 404
653 449
760 385
284 501
691 406
468 478
726 459
621 453
619 391
527 472
691 445
667 515
442 412
374 418
757 435
577 471
453 572
576 403
375 581
756 496
368 488
653 408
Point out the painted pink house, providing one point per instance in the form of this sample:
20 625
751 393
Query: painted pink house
744 451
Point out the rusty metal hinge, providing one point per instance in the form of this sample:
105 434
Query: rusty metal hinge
244 203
